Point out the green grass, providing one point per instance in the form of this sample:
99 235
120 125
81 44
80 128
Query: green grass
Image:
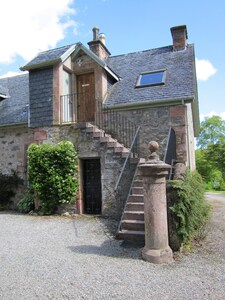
216 192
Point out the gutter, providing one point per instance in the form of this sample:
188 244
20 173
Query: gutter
168 102
14 124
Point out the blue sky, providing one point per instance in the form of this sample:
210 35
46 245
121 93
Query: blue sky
129 26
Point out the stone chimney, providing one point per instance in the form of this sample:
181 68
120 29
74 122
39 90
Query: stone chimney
97 45
180 36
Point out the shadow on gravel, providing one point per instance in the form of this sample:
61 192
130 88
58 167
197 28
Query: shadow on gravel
112 248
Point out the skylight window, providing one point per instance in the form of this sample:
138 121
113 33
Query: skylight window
151 78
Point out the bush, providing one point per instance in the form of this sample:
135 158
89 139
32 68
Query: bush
191 210
26 204
53 174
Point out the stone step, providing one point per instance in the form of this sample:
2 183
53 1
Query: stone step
91 129
131 235
118 149
137 191
133 215
111 144
133 225
137 183
98 134
134 206
136 198
104 139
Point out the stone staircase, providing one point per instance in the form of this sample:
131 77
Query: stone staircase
106 139
132 222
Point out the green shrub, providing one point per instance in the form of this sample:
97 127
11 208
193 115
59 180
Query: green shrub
191 209
26 204
53 174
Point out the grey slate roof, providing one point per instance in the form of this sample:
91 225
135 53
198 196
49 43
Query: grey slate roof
179 83
14 110
48 56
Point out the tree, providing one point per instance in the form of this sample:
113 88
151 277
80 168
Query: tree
210 157
212 131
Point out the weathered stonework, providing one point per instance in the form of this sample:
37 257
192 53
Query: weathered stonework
155 123
13 145
111 164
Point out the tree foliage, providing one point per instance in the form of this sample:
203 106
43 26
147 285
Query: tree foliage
210 157
53 174
212 132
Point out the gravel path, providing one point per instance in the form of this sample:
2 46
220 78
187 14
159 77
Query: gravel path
64 258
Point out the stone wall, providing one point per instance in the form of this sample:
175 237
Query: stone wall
155 123
111 164
13 145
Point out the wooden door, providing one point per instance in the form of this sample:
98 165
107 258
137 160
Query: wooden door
86 97
92 186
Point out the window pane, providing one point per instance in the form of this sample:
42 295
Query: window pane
151 78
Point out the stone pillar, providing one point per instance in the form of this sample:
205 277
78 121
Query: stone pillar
154 173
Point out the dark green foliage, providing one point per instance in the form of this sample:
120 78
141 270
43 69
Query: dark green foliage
191 209
53 174
8 184
27 203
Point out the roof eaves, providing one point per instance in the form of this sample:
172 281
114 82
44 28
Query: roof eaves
93 56
160 102
68 52
40 65
13 124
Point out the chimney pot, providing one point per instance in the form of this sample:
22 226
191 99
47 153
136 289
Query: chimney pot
95 33
102 38
180 36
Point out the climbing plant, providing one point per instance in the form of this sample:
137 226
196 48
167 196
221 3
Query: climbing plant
53 174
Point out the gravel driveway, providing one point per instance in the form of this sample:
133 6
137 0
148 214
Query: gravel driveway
65 258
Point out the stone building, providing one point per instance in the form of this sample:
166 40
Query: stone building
110 107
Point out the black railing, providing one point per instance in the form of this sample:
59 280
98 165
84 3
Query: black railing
116 124
75 108
130 154
170 151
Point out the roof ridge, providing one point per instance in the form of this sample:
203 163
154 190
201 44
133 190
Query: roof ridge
56 49
141 51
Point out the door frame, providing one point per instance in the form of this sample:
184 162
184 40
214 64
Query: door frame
81 201
83 114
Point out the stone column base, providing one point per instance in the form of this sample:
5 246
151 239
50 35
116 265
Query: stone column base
158 256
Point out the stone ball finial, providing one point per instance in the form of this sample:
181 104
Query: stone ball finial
153 147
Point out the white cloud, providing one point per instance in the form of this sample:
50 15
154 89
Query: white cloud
29 26
212 113
204 69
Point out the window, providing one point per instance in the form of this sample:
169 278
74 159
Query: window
151 78
67 98
3 93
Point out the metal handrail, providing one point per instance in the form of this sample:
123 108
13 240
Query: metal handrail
126 160
113 122
170 151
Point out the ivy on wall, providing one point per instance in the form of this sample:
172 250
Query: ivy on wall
53 174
